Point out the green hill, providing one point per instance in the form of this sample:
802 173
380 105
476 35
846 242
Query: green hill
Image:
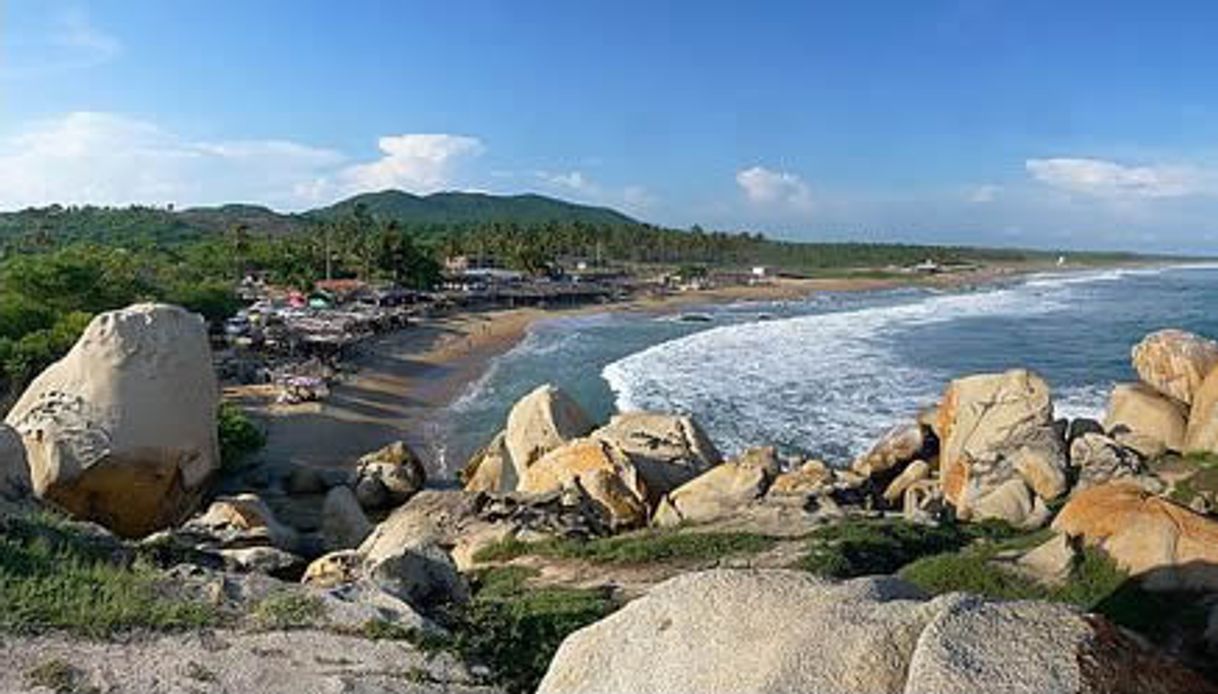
114 224
473 208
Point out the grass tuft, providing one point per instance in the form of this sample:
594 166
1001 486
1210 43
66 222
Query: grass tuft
289 610
868 547
644 547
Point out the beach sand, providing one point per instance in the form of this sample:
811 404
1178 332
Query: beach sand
404 380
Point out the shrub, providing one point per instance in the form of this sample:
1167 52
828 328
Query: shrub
514 630
239 436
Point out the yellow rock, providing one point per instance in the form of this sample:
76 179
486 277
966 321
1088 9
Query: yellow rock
1170 546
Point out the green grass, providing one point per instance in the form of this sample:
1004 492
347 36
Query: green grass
289 610
52 577
514 629
645 547
868 547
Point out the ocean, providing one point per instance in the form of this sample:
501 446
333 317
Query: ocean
827 375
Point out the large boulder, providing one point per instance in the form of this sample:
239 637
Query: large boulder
995 428
896 448
1202 433
541 421
389 476
1099 459
1168 545
14 470
1175 362
490 469
602 470
720 491
1145 420
343 523
811 477
122 430
758 632
667 450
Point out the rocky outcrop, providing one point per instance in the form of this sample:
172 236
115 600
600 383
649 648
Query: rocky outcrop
239 532
309 661
388 477
539 422
490 469
422 574
1099 459
997 428
900 446
333 569
343 523
667 450
1169 546
464 523
720 491
729 631
602 470
915 472
1175 362
1202 432
122 430
810 477
1145 420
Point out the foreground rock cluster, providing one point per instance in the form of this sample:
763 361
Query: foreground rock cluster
122 433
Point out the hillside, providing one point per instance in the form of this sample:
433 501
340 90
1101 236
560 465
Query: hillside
472 208
93 223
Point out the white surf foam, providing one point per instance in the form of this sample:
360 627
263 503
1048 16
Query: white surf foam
827 383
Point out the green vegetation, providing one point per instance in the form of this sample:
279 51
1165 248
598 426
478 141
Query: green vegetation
60 677
471 208
515 630
53 577
289 610
865 547
239 435
643 547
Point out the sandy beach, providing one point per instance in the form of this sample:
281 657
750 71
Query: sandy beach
403 381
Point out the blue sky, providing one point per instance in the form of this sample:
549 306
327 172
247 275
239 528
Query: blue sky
1065 124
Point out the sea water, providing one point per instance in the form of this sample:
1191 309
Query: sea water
827 375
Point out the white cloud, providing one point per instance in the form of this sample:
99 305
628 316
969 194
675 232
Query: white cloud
765 187
984 193
575 180
102 158
579 185
415 162
1108 179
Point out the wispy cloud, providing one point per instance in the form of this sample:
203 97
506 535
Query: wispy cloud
765 187
581 186
102 158
70 40
1109 179
984 193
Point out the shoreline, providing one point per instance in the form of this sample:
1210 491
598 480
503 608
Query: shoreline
405 380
